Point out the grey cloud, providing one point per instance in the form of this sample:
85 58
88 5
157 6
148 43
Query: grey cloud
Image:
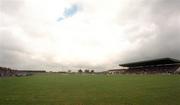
15 54
10 42
10 6
153 25
165 40
11 49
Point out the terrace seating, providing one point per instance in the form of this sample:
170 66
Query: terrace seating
162 65
4 72
153 70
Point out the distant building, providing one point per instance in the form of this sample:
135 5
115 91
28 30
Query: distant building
6 72
116 71
28 72
32 71
163 65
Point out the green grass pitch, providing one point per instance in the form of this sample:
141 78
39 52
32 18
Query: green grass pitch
57 89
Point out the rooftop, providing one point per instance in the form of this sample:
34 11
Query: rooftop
161 61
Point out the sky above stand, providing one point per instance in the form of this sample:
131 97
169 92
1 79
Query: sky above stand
61 35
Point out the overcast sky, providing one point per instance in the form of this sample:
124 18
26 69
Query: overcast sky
94 34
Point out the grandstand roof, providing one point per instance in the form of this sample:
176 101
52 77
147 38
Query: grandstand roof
160 61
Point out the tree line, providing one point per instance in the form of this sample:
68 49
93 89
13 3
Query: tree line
85 71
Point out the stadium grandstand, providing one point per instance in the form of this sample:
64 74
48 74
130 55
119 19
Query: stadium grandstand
4 72
7 72
162 65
